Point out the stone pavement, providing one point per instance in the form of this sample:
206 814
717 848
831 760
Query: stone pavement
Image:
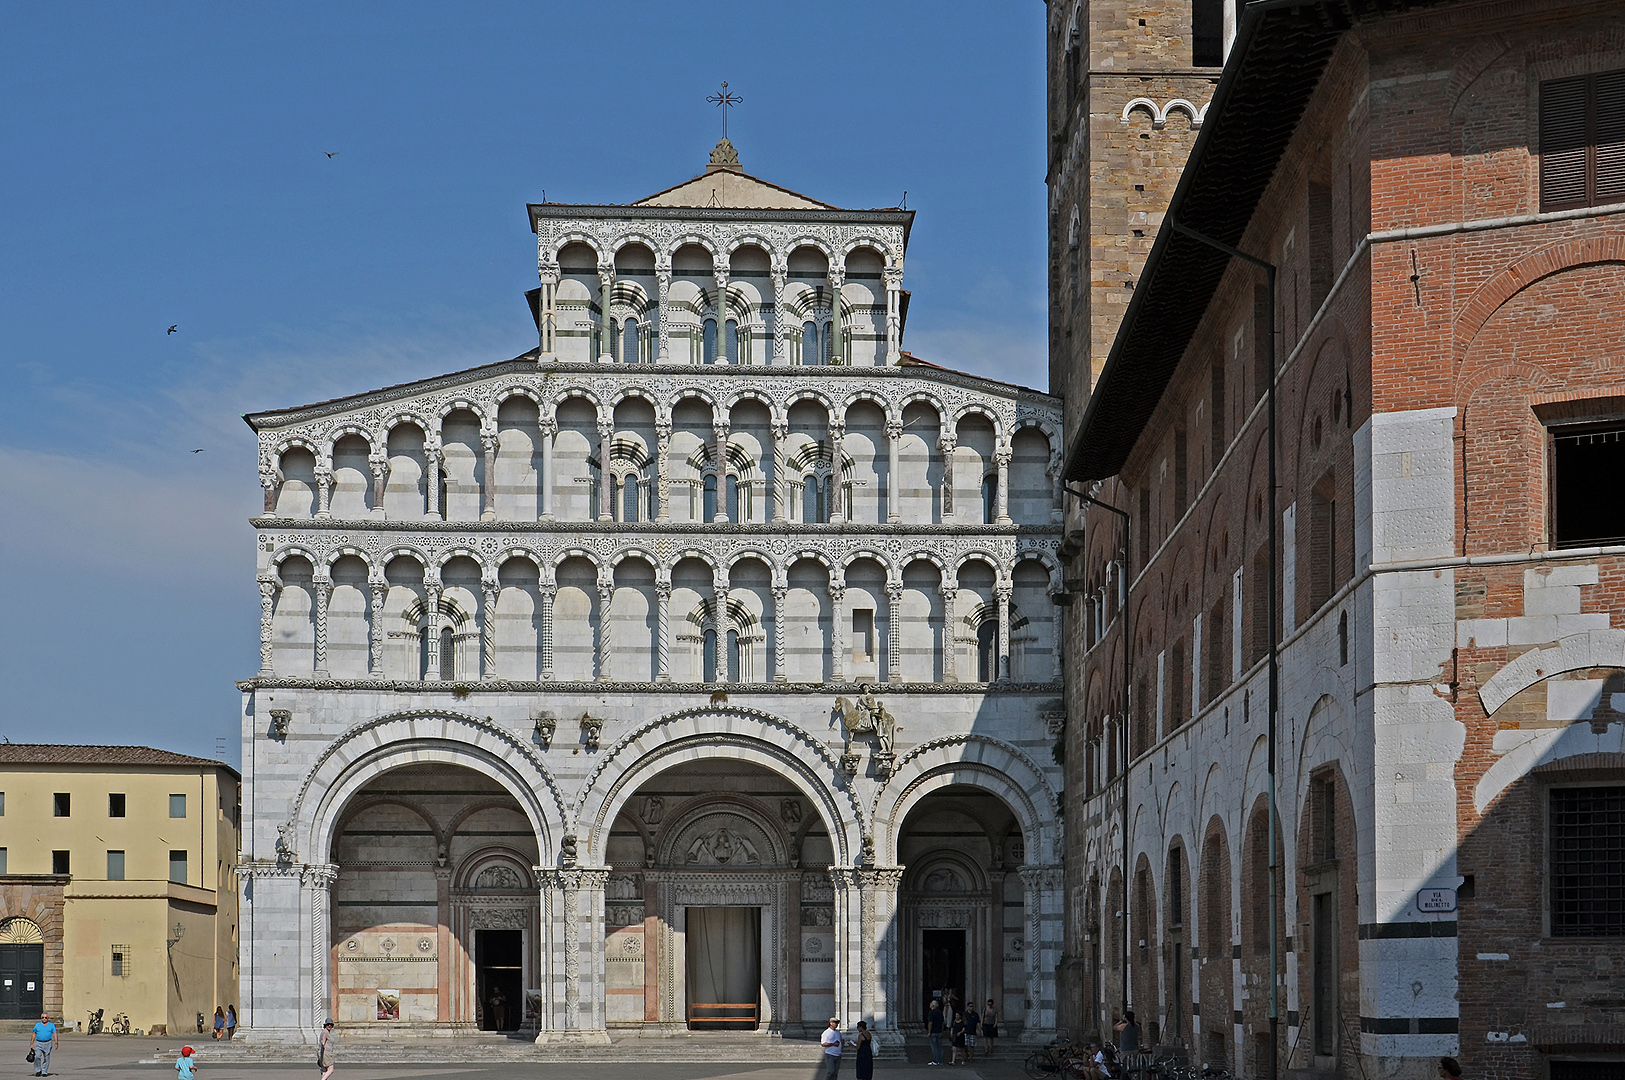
108 1056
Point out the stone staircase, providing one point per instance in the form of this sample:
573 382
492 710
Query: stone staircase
361 1047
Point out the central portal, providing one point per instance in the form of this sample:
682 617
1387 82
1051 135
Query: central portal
724 968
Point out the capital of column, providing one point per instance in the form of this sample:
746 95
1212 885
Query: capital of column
837 430
1002 591
881 878
894 590
663 591
780 429
780 593
894 430
720 430
947 444
1044 876
488 441
837 593
837 277
548 425
606 428
319 875
893 276
606 278
1001 457
572 878
548 271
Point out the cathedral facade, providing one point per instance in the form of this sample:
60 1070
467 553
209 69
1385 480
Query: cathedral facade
695 671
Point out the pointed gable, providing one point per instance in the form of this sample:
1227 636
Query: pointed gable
725 184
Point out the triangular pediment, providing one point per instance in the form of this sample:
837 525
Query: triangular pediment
734 190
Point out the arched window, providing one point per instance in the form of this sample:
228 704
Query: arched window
708 499
423 652
708 656
987 651
448 654
629 499
815 499
614 340
733 342
990 494
708 344
733 500
733 655
629 343
810 354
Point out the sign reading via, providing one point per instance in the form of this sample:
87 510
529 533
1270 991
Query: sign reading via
1435 901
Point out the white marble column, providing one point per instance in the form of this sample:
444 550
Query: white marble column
606 285
719 274
379 588
547 591
548 272
606 479
324 595
663 629
946 445
894 438
433 458
1057 487
662 469
721 622
837 452
573 905
606 596
781 482
894 631
324 487
781 333
379 460
1001 594
1001 461
488 630
1043 918
663 283
549 426
894 314
268 590
837 631
270 481
719 432
837 278
885 991
950 637
431 622
317 881
488 489
780 592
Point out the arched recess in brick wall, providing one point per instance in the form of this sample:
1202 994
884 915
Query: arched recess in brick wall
1255 552
1145 951
1149 638
1558 258
1217 603
1324 467
1178 932
1215 978
1327 935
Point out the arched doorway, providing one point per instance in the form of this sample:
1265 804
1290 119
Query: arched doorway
961 905
434 916
22 969
711 922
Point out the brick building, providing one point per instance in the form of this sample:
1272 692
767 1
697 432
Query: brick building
1431 577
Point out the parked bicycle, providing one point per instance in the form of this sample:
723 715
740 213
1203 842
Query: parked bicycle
1065 1060
120 1024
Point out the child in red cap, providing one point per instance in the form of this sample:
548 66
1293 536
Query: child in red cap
185 1066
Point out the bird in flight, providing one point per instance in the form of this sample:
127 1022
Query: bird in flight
173 328
199 450
331 154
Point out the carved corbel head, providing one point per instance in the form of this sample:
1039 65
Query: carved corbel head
281 720
592 728
546 725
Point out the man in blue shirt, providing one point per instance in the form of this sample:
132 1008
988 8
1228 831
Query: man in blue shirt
44 1038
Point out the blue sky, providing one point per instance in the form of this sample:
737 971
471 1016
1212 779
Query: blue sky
164 163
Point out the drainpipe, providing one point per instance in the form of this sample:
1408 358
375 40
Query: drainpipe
1274 650
1122 729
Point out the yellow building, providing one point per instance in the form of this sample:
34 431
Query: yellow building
118 886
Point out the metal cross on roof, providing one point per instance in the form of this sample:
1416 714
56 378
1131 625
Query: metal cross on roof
725 100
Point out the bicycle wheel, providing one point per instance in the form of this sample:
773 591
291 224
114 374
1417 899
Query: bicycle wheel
1039 1066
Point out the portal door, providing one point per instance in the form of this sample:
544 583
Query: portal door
942 966
724 955
499 958
22 981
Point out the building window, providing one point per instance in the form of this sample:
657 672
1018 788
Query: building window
121 961
629 499
1585 460
177 806
1181 473
990 488
815 500
1587 862
708 499
61 804
1207 33
177 867
115 866
629 343
60 863
733 342
734 500
987 649
2 804
1323 576
2 860
708 342
708 656
1582 141
863 635
115 804
448 671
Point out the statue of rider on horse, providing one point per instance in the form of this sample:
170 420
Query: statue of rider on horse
867 716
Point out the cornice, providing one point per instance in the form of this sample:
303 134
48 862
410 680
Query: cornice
651 528
487 687
728 214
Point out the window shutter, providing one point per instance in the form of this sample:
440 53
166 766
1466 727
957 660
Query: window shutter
1610 114
1563 144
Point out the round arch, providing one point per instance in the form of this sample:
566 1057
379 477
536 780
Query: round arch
749 735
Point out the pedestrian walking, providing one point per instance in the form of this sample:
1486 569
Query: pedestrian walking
958 1033
325 1055
185 1065
231 1021
219 1023
933 1030
39 1047
973 1026
832 1042
866 1052
990 1027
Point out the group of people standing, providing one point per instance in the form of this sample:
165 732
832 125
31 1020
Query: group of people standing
963 1028
225 1022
